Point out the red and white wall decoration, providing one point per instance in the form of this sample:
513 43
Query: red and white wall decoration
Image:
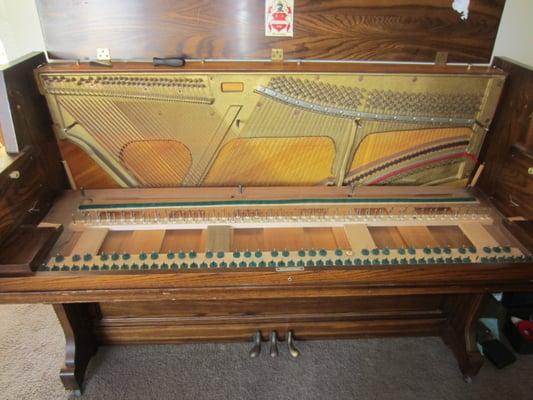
279 18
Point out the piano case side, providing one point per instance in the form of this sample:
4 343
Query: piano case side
32 175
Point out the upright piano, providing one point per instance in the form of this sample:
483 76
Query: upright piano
243 198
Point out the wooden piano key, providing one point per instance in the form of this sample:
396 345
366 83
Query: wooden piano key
202 245
359 237
186 239
170 241
450 235
501 235
387 236
284 238
146 240
115 242
417 236
90 241
340 238
65 246
219 238
478 235
320 238
248 239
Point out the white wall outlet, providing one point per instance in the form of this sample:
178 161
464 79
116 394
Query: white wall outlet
103 54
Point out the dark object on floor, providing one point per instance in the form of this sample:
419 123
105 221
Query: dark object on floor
519 333
493 349
513 300
497 353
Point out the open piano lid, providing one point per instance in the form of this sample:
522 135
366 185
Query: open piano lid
386 30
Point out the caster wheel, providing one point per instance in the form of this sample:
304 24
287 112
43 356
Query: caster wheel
467 379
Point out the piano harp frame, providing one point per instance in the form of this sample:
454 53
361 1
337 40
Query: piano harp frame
324 113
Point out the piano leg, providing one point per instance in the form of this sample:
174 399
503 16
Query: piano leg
460 333
80 346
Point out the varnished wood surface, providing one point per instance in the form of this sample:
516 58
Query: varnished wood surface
189 311
523 231
460 335
514 189
80 342
392 30
26 249
17 196
80 287
27 199
236 320
85 171
508 148
310 329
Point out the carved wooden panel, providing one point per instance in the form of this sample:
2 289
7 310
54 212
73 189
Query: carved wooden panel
392 30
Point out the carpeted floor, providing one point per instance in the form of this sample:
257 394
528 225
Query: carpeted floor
31 353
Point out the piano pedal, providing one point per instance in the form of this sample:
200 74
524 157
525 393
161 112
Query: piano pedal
274 344
293 351
256 349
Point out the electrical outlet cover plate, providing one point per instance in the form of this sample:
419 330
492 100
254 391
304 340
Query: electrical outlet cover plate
103 54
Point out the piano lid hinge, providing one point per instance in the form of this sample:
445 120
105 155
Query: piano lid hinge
277 55
441 58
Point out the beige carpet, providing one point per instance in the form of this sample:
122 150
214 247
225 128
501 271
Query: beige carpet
31 353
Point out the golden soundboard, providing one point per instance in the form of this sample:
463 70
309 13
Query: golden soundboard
168 129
